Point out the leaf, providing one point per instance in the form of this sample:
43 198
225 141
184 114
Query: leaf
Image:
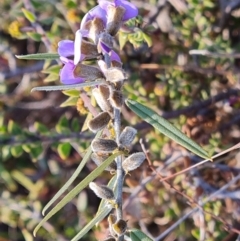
62 125
13 128
72 178
29 15
9 182
64 150
35 36
67 87
98 218
147 39
54 69
123 38
16 151
42 129
166 127
50 78
71 101
39 56
72 93
137 235
74 192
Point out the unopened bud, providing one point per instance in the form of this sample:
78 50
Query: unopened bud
120 227
101 95
103 145
133 162
95 29
89 49
116 99
102 191
87 71
127 136
99 122
105 42
115 74
99 158
115 15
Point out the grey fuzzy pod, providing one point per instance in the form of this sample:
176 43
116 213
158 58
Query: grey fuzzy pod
133 161
101 95
103 145
127 136
99 122
98 159
102 191
116 99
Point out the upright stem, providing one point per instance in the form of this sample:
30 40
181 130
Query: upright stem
120 172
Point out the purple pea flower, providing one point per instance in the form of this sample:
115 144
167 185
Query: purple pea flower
131 10
67 73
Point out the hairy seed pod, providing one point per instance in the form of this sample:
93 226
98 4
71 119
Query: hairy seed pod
116 99
99 158
95 29
127 136
101 95
120 227
89 49
133 161
115 74
87 71
102 191
115 15
103 145
99 122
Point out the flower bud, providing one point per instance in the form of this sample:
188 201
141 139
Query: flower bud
96 27
99 158
105 43
120 227
101 95
99 122
127 136
116 99
103 145
89 49
87 71
115 74
115 15
133 161
102 191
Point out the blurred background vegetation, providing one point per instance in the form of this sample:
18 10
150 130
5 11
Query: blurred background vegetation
41 142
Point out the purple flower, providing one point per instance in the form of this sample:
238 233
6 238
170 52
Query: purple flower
131 10
67 73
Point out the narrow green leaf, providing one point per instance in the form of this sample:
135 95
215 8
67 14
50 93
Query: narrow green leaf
147 39
67 87
166 128
137 235
98 218
72 178
74 192
29 15
72 93
39 56
51 78
6 177
35 36
54 69
64 150
71 101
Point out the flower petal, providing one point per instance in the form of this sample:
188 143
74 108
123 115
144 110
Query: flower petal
66 73
114 56
131 10
77 47
66 48
91 14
